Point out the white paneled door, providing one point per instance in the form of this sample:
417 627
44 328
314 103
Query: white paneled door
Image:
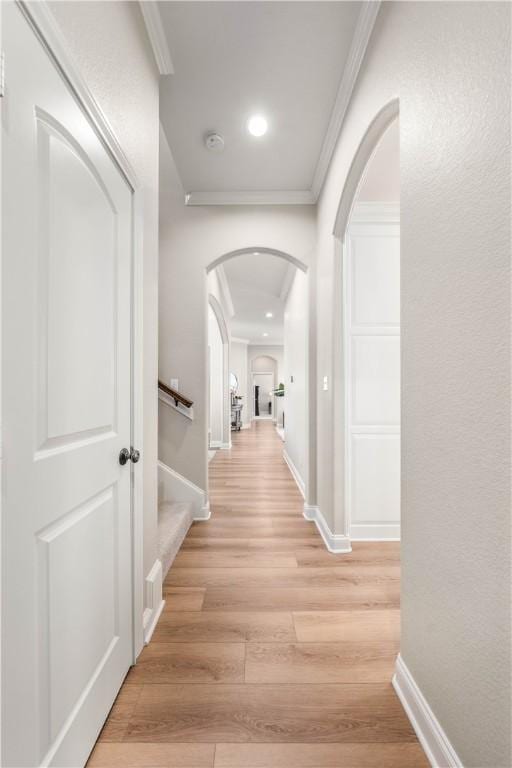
66 340
372 336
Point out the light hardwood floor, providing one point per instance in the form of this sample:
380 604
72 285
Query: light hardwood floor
271 652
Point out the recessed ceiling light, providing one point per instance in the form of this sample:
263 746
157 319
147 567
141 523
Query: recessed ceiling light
269 314
265 334
257 125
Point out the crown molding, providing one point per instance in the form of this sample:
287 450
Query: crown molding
362 34
265 346
364 27
223 280
236 340
246 197
156 34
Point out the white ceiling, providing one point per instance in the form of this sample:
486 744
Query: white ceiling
285 60
258 284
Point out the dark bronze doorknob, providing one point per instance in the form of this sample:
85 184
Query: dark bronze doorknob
128 455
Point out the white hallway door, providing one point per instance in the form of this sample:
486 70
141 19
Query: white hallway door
372 335
66 549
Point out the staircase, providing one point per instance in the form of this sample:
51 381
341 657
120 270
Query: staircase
180 501
174 520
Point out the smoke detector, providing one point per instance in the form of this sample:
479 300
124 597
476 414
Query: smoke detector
214 142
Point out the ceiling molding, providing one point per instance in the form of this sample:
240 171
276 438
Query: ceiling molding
266 346
287 282
243 197
362 34
156 34
364 27
226 291
236 340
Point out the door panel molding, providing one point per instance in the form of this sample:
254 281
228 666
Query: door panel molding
371 342
41 19
60 731
50 35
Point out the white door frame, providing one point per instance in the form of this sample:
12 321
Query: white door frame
40 18
311 371
225 443
365 150
387 215
264 373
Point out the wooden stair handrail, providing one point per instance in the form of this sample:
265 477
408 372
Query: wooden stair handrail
176 396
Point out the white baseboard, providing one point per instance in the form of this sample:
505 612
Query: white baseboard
215 444
375 532
246 425
174 487
225 446
153 602
205 512
430 734
335 542
295 473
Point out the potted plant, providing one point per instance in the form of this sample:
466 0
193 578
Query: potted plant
279 392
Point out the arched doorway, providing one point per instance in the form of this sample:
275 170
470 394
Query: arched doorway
366 355
257 249
299 384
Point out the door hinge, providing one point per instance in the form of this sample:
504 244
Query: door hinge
2 75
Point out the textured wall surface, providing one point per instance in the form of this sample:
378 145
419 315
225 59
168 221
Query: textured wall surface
449 63
109 42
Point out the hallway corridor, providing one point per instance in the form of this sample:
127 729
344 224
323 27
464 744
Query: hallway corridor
271 652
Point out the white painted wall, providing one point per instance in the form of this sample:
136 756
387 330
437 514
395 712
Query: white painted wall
109 43
455 244
295 348
257 351
263 363
216 379
191 239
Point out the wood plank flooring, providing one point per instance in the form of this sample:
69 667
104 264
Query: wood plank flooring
270 652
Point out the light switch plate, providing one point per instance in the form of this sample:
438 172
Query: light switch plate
175 384
326 384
